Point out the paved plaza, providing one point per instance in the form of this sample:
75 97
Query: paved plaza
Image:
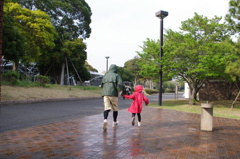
164 134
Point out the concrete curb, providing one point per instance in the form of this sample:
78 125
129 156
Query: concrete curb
2 103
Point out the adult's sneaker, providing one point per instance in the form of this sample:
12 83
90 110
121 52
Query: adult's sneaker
114 124
105 125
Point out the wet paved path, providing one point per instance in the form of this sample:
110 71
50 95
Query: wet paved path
164 134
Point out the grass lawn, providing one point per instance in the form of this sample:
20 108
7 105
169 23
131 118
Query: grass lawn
16 93
220 108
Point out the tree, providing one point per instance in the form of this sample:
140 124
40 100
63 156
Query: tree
89 67
72 19
198 52
125 74
27 34
233 17
233 67
72 52
132 67
149 59
75 51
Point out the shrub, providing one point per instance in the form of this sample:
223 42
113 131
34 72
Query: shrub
42 80
10 77
151 91
26 83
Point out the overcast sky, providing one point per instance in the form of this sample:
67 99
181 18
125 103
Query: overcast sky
119 27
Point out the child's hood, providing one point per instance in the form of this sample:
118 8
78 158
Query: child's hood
138 88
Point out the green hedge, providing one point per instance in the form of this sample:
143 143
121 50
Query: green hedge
10 77
42 80
151 91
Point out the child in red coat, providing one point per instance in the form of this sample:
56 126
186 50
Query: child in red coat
136 106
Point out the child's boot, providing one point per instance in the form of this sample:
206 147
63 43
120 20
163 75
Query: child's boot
133 121
139 123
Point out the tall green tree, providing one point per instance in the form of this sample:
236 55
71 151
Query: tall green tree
74 51
125 74
233 16
27 34
149 61
71 19
133 67
197 52
233 19
90 67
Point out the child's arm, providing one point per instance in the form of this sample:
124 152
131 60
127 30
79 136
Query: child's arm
145 99
132 96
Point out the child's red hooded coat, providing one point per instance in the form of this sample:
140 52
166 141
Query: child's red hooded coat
138 97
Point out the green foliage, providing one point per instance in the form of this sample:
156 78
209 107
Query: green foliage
10 77
27 83
71 18
31 36
76 51
233 16
149 59
132 67
125 74
28 33
197 52
151 91
169 86
89 67
42 80
233 66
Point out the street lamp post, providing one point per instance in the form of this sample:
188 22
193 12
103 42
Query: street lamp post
107 57
161 14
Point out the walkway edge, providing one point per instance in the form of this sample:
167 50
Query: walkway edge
2 103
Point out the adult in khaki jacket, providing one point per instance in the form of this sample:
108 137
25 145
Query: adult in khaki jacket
111 84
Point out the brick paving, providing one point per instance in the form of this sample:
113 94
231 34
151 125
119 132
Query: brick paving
164 134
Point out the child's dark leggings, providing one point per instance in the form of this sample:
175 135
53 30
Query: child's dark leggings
139 116
115 115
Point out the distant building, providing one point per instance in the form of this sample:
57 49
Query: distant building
96 79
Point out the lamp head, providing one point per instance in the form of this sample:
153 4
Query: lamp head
161 14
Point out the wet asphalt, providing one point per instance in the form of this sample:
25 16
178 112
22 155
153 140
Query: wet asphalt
25 115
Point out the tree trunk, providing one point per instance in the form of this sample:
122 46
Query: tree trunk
68 79
192 95
62 74
14 66
135 81
235 99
